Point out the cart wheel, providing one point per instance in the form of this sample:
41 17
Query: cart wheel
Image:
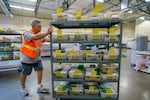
133 65
19 70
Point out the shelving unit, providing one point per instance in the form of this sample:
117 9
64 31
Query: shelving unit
86 24
10 44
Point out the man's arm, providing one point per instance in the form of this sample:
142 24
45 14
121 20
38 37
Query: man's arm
42 35
39 36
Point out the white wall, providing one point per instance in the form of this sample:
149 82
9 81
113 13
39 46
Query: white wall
128 31
20 23
142 28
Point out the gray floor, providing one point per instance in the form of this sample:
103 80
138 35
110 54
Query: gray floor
134 85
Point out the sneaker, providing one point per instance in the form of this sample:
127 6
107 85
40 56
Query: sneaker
24 92
41 89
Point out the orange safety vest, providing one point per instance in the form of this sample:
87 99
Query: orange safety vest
30 48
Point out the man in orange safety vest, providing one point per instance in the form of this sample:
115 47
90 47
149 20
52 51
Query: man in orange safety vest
31 55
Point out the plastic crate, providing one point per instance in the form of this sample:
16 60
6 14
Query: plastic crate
113 76
61 73
91 91
108 95
76 89
90 77
99 57
91 57
72 73
61 91
80 37
61 56
75 57
62 37
114 37
60 17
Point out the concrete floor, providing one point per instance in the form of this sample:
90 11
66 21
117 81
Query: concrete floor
134 85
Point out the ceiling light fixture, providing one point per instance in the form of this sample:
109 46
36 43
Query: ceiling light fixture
100 0
33 0
19 7
130 11
142 17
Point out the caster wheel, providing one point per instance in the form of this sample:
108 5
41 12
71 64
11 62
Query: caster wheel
19 70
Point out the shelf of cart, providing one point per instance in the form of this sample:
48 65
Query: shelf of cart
83 97
81 80
95 42
85 24
84 61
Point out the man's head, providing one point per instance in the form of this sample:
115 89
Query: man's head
36 25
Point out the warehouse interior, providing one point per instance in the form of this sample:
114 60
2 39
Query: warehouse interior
134 64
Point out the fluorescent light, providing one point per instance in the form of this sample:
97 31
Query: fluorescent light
19 7
130 11
147 0
142 17
33 0
100 0
116 25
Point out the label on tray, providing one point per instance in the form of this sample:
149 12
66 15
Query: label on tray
91 88
112 30
72 52
58 52
98 8
96 31
58 73
93 73
59 10
59 89
74 89
77 72
78 13
59 32
87 52
109 71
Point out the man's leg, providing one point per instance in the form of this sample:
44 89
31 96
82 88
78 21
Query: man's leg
22 79
39 76
27 69
39 68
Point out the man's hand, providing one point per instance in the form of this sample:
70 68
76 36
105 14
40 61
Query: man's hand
50 30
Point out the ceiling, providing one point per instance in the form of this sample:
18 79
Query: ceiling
46 8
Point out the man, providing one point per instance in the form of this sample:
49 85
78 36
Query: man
31 55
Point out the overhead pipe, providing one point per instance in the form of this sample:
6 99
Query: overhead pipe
94 3
69 3
139 7
5 8
37 7
6 4
142 5
72 2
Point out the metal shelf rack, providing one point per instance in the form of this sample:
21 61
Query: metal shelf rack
86 24
11 63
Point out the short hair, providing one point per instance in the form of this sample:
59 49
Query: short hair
34 21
